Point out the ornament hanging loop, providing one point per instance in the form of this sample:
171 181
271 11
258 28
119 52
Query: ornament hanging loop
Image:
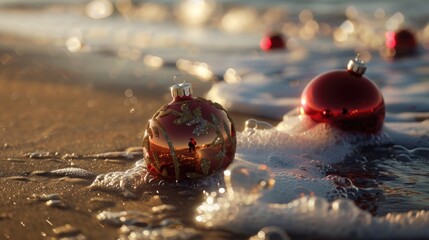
176 76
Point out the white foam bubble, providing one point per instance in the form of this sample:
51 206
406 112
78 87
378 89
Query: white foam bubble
312 216
132 182
129 183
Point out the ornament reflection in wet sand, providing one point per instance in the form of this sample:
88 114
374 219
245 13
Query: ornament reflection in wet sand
345 99
272 41
189 137
400 43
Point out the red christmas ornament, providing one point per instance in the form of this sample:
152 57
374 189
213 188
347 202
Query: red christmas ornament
189 137
272 42
345 99
400 43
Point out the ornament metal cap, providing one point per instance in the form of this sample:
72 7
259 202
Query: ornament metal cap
181 90
356 66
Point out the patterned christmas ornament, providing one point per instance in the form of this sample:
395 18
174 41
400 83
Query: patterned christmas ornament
272 41
189 137
345 99
400 43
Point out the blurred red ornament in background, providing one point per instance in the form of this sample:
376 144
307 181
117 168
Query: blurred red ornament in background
189 137
400 43
272 41
345 99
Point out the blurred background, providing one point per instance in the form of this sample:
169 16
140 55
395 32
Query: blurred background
141 45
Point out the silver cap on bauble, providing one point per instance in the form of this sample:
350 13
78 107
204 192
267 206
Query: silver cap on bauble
181 90
356 66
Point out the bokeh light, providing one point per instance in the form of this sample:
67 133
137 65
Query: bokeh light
98 9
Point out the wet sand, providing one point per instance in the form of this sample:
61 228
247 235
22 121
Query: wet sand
54 103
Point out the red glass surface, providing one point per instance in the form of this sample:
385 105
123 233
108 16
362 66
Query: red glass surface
400 43
345 100
272 41
189 138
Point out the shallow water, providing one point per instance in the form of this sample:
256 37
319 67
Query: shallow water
307 169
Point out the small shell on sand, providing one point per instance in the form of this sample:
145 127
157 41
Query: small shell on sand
19 178
42 155
47 197
73 172
66 231
163 208
56 204
16 160
134 218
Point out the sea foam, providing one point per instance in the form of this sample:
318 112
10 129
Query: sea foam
304 201
282 177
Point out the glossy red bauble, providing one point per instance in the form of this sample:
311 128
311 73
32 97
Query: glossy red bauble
345 99
400 43
272 42
189 137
